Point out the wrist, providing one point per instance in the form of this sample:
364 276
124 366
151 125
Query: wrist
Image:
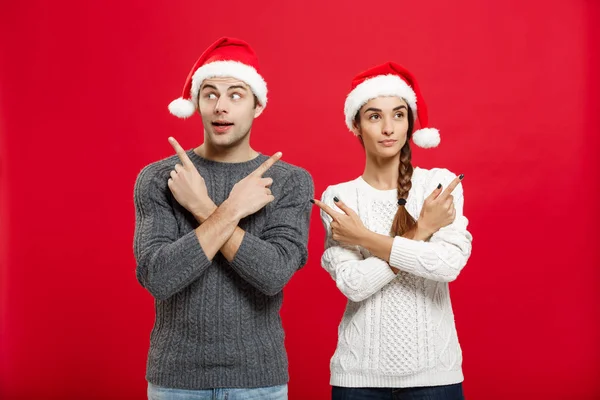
367 239
202 213
378 245
230 208
422 232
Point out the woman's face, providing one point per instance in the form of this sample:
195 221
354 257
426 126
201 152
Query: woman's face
383 126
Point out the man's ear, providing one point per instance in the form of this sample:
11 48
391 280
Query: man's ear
258 110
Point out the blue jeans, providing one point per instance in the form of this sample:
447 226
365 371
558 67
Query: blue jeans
263 393
446 392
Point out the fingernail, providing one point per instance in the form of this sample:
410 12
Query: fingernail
461 176
440 186
312 201
336 199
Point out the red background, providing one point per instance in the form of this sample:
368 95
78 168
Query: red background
512 86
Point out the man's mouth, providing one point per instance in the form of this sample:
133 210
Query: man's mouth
221 127
222 123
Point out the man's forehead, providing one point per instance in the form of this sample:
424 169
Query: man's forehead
224 81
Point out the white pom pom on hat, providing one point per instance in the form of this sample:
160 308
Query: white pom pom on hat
182 108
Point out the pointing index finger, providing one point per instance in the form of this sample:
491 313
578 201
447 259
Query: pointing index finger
185 160
342 206
451 187
330 211
264 167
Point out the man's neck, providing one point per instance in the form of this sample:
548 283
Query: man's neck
236 154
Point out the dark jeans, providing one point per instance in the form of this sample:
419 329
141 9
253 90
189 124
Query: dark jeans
446 392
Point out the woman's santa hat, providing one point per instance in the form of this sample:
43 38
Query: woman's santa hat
391 79
227 57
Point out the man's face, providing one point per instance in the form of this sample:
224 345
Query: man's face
228 109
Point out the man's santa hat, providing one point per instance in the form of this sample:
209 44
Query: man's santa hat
227 57
391 79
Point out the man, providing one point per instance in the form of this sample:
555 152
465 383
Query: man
220 230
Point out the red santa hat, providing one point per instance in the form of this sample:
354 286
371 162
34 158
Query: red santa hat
391 79
227 57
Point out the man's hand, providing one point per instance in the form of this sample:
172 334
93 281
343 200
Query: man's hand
188 186
252 193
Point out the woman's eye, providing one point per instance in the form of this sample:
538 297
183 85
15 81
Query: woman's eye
374 117
211 96
399 115
236 96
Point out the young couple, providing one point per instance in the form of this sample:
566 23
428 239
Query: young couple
221 228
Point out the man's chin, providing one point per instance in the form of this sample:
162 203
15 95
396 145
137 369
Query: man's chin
219 136
223 140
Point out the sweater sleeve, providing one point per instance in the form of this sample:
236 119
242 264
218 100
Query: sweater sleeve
166 261
446 253
357 277
268 261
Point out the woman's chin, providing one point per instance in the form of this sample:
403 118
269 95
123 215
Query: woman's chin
388 152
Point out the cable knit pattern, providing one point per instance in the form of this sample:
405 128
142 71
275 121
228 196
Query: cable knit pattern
397 330
217 323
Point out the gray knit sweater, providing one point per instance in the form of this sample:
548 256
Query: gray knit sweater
217 323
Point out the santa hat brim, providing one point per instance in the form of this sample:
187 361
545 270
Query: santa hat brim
231 69
382 85
184 108
388 85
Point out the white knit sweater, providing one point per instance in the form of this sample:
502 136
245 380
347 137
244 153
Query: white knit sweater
397 330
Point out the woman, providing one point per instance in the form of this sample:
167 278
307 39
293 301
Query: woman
397 339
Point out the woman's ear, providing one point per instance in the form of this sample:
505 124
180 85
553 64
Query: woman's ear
356 129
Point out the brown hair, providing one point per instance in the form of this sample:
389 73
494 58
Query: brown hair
403 221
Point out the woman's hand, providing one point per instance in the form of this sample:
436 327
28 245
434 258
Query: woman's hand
438 211
347 227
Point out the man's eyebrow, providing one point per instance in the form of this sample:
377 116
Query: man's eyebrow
237 87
